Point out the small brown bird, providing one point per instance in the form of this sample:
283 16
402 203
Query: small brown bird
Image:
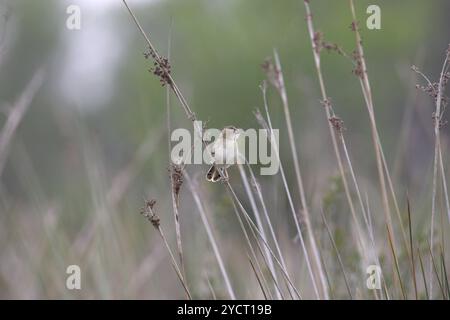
224 152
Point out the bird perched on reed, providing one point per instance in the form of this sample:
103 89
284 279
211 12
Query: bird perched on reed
224 152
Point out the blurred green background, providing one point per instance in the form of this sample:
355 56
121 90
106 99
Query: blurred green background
93 143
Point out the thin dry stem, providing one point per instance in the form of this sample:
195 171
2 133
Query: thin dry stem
211 238
397 268
175 172
334 129
259 223
379 154
150 214
298 175
437 161
257 277
266 216
413 266
252 250
158 59
255 228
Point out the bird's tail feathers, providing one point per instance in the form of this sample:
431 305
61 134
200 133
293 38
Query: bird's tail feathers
213 174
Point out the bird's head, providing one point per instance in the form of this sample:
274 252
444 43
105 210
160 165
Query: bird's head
231 132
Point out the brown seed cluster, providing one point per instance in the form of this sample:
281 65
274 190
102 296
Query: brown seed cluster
436 90
337 123
176 175
358 69
161 67
317 40
272 73
432 90
148 212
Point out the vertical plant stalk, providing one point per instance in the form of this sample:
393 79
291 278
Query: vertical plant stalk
445 275
259 224
355 182
379 155
413 266
174 263
211 238
369 226
166 78
441 286
444 184
328 107
257 276
211 289
281 88
366 215
437 162
329 115
335 125
174 174
266 216
437 153
338 125
169 79
268 126
422 269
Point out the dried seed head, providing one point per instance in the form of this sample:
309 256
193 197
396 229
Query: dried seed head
176 175
317 40
358 70
148 212
273 73
436 89
161 67
337 123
